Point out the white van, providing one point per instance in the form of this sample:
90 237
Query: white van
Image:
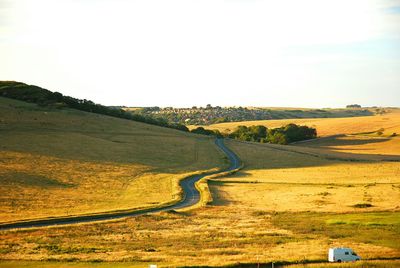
342 254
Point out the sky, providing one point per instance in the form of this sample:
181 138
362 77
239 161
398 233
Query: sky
287 53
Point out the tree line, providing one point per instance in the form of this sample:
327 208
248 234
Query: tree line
282 135
44 97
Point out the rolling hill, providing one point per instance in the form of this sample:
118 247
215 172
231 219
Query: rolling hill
288 204
282 207
367 137
388 123
56 162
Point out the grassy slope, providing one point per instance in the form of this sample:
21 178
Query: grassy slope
376 137
364 146
283 206
366 142
277 180
390 122
59 162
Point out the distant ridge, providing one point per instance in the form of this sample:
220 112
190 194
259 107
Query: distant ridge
213 115
44 97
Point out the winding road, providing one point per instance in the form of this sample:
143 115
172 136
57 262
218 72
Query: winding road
191 197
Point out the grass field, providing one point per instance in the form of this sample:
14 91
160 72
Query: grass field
387 123
63 162
292 181
363 264
284 206
54 264
357 144
210 236
29 264
366 138
289 203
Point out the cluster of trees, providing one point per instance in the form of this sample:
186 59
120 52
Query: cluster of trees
44 97
252 133
208 132
291 133
350 106
283 135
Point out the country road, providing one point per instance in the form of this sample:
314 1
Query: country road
191 197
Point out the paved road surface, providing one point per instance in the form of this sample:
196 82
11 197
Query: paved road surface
191 197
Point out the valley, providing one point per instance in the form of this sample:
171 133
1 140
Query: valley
289 203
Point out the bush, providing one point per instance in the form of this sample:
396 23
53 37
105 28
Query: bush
208 132
283 135
362 205
252 133
291 133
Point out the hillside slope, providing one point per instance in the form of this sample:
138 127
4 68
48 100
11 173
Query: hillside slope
369 137
46 98
283 206
389 122
57 162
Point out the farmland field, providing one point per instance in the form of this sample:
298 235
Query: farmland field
388 123
367 138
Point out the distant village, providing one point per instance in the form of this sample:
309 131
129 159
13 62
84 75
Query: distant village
212 115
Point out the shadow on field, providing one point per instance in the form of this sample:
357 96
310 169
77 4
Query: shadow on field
346 141
70 134
219 197
272 156
25 179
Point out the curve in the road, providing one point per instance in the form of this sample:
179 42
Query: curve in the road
191 197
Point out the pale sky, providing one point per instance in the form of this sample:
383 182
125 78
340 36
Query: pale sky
287 53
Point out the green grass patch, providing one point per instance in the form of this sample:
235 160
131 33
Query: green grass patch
56 264
378 219
363 264
378 228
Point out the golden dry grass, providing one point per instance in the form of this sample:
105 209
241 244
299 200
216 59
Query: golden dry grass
357 144
289 203
389 122
56 264
283 206
304 197
63 162
364 264
214 236
374 137
275 180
